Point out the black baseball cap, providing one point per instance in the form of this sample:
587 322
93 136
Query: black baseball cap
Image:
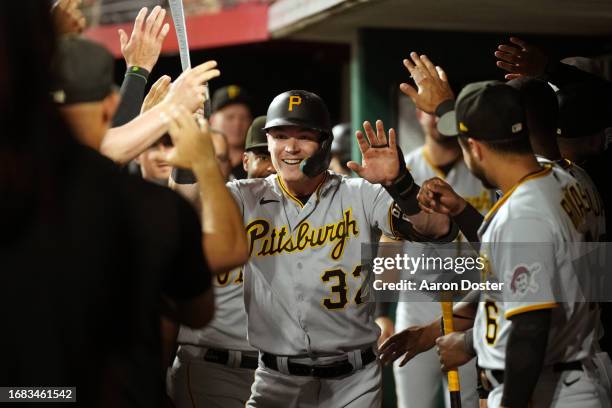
582 110
229 95
256 135
82 71
488 110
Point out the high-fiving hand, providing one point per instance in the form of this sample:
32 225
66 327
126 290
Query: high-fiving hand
380 162
520 59
431 81
143 47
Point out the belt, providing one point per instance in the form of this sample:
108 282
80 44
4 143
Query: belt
222 357
498 375
335 369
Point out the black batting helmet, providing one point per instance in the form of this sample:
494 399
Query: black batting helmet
304 109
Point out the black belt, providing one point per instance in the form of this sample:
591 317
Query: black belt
335 369
222 357
557 367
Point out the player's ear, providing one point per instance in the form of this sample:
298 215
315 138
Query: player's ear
475 148
245 161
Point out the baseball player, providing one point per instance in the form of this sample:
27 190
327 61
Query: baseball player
418 384
214 366
232 115
305 293
531 352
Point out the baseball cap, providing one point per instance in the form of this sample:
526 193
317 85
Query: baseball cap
256 135
82 71
582 110
228 95
488 110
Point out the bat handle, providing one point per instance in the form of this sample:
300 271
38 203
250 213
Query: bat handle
454 388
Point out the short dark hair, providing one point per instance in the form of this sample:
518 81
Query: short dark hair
520 145
540 103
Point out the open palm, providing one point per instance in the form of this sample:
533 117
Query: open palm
380 163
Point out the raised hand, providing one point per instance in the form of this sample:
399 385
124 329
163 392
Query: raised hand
67 18
192 143
431 81
143 47
408 343
436 195
520 59
188 88
380 162
157 93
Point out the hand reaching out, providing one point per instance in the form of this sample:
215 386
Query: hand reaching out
408 343
380 162
436 195
431 81
192 143
520 59
143 47
157 93
188 88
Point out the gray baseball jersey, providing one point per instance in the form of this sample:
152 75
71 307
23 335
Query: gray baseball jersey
542 208
304 290
227 330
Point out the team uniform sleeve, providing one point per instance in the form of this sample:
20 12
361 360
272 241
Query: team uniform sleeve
191 274
526 259
234 189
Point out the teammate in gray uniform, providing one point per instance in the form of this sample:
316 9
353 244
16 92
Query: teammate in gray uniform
521 361
214 366
418 383
305 293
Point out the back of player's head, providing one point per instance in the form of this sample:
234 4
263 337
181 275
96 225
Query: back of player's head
83 71
492 113
540 104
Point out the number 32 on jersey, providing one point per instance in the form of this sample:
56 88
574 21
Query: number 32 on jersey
336 279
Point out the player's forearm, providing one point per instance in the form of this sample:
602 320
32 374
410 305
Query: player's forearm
464 313
434 226
132 95
124 143
525 356
225 242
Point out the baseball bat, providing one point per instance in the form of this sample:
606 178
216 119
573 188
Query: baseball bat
454 388
178 17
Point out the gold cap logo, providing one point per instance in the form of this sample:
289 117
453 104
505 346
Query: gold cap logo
294 100
462 127
233 91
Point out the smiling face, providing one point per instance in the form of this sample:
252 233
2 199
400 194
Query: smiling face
289 146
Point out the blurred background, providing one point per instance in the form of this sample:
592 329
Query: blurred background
350 51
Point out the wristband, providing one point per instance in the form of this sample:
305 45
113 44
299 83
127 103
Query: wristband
183 176
138 72
403 190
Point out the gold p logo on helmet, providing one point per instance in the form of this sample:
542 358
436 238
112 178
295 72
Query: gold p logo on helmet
233 91
294 100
